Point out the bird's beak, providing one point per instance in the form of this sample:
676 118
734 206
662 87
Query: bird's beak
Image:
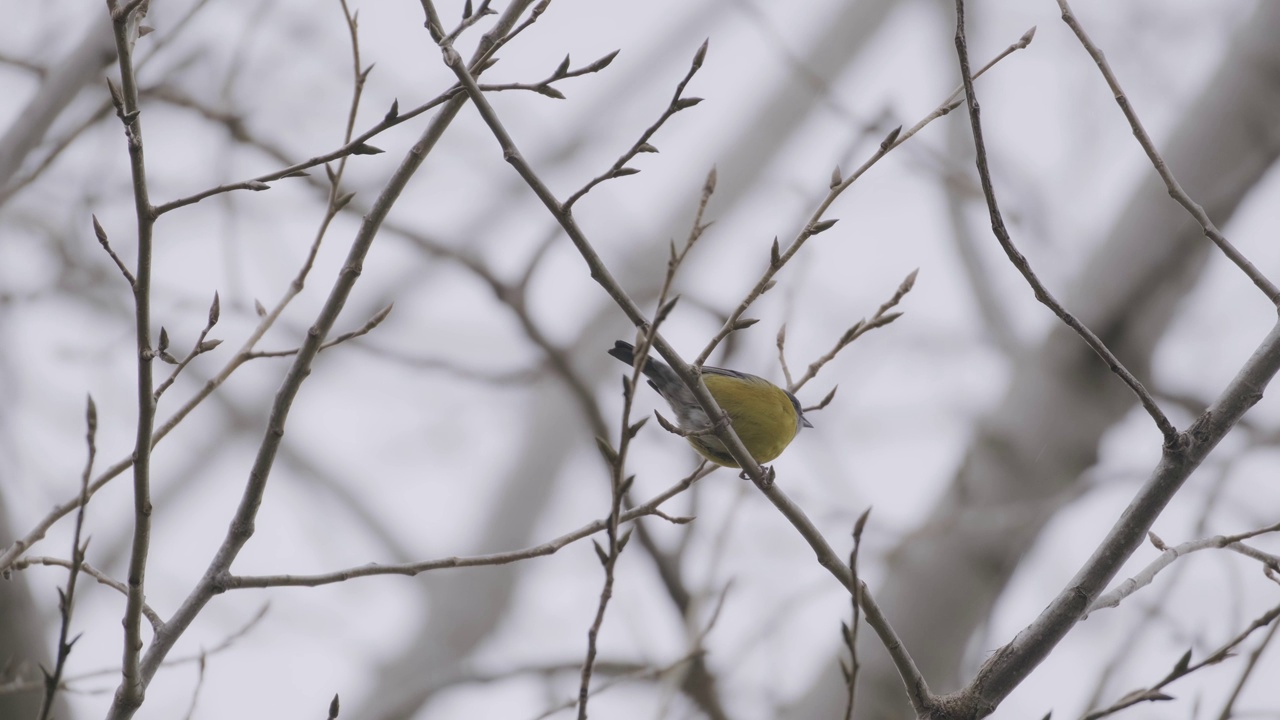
804 422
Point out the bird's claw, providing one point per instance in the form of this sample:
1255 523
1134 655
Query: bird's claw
767 475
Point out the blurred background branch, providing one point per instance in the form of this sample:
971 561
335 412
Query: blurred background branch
995 447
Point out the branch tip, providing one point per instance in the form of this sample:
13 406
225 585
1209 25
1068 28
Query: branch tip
701 54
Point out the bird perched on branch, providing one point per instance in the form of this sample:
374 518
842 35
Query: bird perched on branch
765 417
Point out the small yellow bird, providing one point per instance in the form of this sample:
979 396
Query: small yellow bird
765 417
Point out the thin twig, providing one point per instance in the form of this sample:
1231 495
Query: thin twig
471 18
359 145
365 329
195 692
66 598
353 146
101 233
562 72
781 343
619 168
1249 665
957 96
103 579
1151 612
1184 667
850 632
694 657
201 346
1167 430
623 674
619 484
922 701
608 559
225 644
1149 147
881 318
778 257
550 547
1169 554
697 681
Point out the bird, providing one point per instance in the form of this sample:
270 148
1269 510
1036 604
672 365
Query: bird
765 417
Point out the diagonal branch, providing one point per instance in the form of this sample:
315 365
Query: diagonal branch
1020 261
1183 453
1011 664
827 556
1149 147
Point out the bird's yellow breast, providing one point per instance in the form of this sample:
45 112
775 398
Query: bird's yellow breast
761 414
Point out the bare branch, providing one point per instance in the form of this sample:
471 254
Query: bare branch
241 527
762 477
1020 261
103 579
838 185
101 234
235 582
1169 555
1250 664
881 318
850 632
130 693
202 345
1184 667
1009 665
678 103
66 598
1149 147
365 329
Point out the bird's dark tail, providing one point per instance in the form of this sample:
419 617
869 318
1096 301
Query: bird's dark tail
653 369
